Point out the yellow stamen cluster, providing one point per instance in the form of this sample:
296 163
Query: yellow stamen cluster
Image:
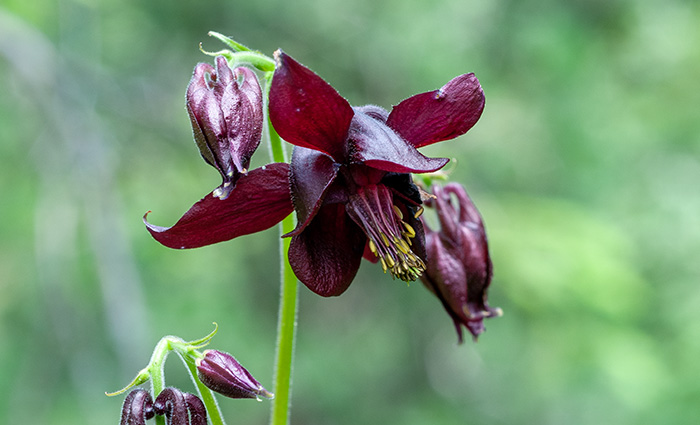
390 237
395 253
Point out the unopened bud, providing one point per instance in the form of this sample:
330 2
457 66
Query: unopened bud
221 373
138 407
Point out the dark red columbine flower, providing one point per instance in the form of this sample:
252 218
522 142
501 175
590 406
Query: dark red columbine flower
459 268
349 177
225 107
350 168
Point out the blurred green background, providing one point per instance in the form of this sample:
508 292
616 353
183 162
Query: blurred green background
585 165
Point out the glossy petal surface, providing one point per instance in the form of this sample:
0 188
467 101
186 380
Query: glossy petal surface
375 144
260 200
327 254
440 114
306 111
311 174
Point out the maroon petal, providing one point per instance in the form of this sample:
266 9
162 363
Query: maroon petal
202 106
327 254
243 114
376 145
306 111
440 114
446 279
311 174
259 201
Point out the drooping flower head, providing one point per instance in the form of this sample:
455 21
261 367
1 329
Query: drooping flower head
350 172
459 268
225 108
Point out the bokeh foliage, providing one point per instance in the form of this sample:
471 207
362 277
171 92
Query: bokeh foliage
585 165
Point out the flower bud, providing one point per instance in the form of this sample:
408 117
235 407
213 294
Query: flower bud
459 268
225 108
221 373
198 413
137 408
180 408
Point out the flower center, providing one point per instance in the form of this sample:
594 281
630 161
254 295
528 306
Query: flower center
373 209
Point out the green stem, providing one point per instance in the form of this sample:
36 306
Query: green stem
276 146
157 370
289 290
285 334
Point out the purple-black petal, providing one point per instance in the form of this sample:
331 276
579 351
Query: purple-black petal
375 144
311 174
306 111
327 254
440 114
260 200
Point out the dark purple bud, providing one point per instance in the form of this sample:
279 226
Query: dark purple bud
221 373
459 268
225 108
171 403
198 413
138 407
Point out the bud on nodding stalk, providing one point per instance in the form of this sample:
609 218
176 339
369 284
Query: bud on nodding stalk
180 408
221 373
459 268
138 407
226 110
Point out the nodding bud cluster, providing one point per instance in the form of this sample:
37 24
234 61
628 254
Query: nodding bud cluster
221 373
459 267
178 408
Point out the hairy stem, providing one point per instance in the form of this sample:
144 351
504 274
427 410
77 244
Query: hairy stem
289 290
285 334
157 370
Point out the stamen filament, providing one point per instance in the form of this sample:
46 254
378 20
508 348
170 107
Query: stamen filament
389 237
